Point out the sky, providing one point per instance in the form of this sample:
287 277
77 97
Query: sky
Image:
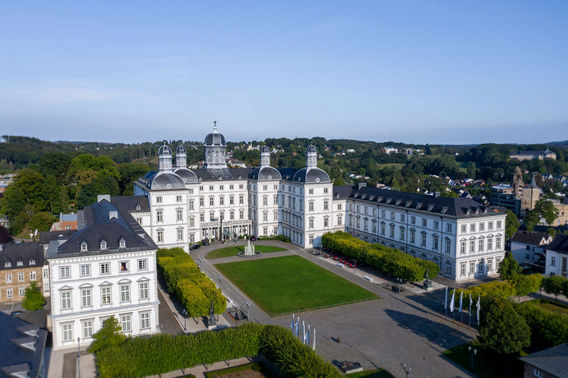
411 71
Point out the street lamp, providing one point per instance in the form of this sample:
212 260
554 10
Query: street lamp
472 353
185 320
407 369
248 311
220 282
78 357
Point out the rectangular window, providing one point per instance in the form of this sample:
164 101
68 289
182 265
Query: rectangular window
159 216
191 206
552 260
241 199
9 293
144 320
64 272
180 234
326 222
179 215
311 239
448 227
412 236
143 290
436 224
201 201
22 291
191 222
65 300
489 265
490 226
462 247
87 329
105 295
498 225
472 267
311 206
178 198
32 276
462 269
9 278
125 293
472 227
489 244
45 273
325 205
481 245
413 219
221 201
311 223
498 242
472 246
85 270
123 266
423 241
143 264
86 298
482 227
463 228
20 276
448 246
67 332
158 199
211 201
105 268
126 323
202 217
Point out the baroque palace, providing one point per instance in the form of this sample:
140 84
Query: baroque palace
465 238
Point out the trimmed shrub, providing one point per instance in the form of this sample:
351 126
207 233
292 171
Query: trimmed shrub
281 238
502 329
387 260
193 289
158 354
495 289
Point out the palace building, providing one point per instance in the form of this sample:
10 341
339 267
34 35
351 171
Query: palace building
182 206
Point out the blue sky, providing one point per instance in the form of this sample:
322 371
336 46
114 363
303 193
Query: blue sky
410 71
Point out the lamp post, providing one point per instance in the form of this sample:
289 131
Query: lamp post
78 357
472 353
185 320
220 282
248 311
407 369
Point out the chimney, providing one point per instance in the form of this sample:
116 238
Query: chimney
102 197
112 214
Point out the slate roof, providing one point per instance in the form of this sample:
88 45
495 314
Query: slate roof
222 174
311 175
47 236
21 252
131 204
265 173
531 238
553 360
458 207
187 175
22 347
99 226
559 244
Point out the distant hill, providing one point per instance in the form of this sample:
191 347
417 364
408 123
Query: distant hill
561 144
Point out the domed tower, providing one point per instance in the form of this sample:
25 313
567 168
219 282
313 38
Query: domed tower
264 156
181 157
164 158
312 157
215 149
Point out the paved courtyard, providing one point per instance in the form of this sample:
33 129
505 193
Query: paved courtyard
380 333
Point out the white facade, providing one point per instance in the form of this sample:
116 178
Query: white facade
556 263
93 282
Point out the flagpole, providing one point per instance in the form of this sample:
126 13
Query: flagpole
446 302
314 347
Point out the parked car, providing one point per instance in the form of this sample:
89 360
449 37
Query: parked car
205 242
253 238
195 246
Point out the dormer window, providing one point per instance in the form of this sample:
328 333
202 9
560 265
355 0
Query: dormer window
7 264
19 263
122 243
138 207
103 244
84 246
31 262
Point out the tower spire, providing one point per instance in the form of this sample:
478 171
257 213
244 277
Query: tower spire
215 126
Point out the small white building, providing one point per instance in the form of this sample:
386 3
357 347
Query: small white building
557 257
529 248
107 268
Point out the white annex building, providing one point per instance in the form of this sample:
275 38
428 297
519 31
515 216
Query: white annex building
107 268
465 238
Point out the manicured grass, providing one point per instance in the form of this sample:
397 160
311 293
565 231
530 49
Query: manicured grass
291 284
232 251
485 363
552 306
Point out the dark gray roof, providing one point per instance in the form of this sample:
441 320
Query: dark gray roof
215 138
131 204
99 226
264 149
187 175
46 236
459 207
163 181
265 173
14 334
532 238
311 148
180 149
311 175
220 174
559 244
553 360
25 253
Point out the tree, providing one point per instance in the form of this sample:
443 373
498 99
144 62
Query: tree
5 236
546 209
471 170
33 298
565 288
502 329
553 285
526 284
511 224
109 335
509 268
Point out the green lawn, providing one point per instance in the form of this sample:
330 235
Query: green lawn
290 284
232 251
551 305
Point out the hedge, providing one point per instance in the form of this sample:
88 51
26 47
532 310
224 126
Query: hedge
499 289
281 238
192 288
387 260
143 356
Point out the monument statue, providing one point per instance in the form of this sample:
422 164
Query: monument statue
249 249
